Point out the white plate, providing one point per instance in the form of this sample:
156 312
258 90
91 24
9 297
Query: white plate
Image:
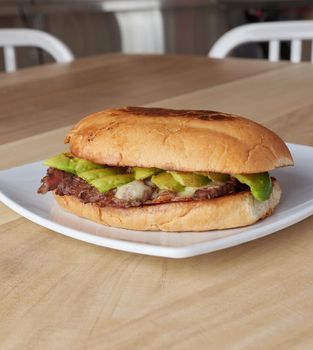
18 188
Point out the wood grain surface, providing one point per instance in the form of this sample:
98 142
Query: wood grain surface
60 293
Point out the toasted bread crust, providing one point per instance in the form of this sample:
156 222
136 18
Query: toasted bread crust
235 210
186 140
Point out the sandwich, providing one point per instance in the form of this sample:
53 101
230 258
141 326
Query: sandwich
161 169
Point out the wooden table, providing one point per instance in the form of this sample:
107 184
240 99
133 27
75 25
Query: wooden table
60 293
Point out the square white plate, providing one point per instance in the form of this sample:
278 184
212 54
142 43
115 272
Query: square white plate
18 188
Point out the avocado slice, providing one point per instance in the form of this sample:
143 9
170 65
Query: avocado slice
94 174
109 182
165 181
71 164
144 173
217 177
190 179
85 165
260 184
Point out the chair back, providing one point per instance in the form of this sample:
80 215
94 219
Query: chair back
11 38
271 32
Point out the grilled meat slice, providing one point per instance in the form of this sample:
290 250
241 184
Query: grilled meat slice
66 184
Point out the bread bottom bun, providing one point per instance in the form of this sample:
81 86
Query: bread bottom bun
235 210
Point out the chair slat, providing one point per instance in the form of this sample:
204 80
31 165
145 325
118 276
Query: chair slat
296 51
9 59
274 51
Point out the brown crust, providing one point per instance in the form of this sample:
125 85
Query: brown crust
186 140
235 210
165 112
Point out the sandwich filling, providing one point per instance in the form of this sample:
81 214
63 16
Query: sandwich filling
126 187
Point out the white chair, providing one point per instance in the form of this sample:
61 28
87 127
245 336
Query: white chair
10 38
141 32
272 32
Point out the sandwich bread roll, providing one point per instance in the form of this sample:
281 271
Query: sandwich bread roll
231 154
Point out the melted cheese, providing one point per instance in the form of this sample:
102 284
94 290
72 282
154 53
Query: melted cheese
133 191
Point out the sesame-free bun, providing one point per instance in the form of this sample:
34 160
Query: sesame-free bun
235 210
186 140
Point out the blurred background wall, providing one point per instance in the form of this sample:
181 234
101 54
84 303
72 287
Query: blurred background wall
91 27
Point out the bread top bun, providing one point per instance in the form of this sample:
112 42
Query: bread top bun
186 140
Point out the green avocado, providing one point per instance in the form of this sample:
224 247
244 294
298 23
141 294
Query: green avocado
71 164
143 173
165 181
217 177
260 184
94 174
190 179
109 182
